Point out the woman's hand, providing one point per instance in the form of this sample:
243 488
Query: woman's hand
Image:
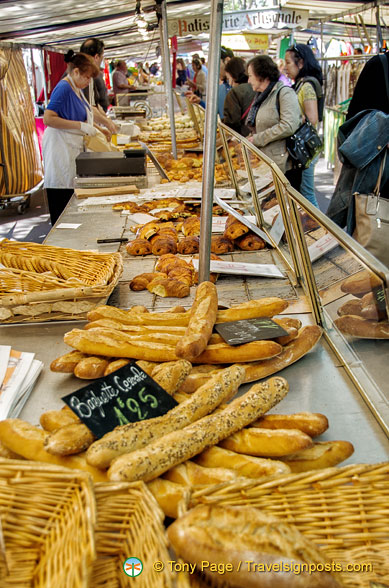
251 139
107 133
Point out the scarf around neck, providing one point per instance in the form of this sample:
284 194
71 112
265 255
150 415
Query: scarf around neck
258 101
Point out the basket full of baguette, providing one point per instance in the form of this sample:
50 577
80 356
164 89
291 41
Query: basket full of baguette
43 283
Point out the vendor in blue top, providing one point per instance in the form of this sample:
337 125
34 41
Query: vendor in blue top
68 118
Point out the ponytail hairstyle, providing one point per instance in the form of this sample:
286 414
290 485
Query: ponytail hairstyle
84 63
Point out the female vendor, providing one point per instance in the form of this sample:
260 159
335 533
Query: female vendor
68 118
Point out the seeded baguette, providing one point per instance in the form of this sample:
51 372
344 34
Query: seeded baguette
134 436
201 321
174 448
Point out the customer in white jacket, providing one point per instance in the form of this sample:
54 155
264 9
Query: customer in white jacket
275 112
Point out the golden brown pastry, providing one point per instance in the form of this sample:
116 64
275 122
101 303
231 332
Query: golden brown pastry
138 247
167 264
162 245
220 244
360 283
66 363
182 275
168 287
234 228
115 365
141 282
189 245
147 230
168 232
250 242
191 226
91 368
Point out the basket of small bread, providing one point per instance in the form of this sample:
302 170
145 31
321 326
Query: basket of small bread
43 282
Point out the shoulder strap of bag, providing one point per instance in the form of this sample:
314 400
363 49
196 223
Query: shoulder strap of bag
385 65
247 109
377 188
278 99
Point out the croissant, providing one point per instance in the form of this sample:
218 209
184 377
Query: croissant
148 230
162 245
138 247
191 226
168 287
131 206
250 242
182 274
141 282
220 244
188 245
166 264
234 228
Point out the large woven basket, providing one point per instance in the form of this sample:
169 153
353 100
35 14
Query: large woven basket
344 511
47 514
43 283
129 524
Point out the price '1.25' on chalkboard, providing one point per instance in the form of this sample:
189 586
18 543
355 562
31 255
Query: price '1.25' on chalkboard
125 396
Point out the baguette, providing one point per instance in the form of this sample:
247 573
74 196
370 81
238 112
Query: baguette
310 423
171 497
7 453
171 375
252 309
357 326
69 440
112 343
293 351
353 306
324 454
91 368
267 442
211 534
55 419
28 441
135 329
115 365
245 465
192 474
147 366
66 363
201 321
370 309
360 283
137 435
178 446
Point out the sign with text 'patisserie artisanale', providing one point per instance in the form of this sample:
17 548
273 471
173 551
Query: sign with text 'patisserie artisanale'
279 18
125 396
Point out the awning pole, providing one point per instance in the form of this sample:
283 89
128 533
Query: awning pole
167 73
379 31
44 78
210 138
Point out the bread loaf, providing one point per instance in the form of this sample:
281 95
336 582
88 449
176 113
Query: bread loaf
201 322
137 435
323 454
247 466
66 363
245 536
310 423
91 368
178 446
69 440
115 365
55 419
353 306
171 497
357 326
192 474
360 283
267 442
171 374
28 441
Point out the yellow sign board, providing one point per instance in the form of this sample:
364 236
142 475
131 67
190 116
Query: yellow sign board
246 42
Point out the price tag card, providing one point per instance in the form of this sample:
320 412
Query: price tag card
269 270
322 246
244 331
277 229
125 396
68 226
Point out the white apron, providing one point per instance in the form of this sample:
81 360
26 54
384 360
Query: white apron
60 149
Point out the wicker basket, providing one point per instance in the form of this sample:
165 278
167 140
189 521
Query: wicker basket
47 515
345 511
129 524
43 283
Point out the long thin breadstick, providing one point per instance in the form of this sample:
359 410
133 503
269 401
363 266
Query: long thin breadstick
174 448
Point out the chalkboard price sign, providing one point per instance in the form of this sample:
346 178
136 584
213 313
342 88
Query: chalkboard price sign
125 396
244 331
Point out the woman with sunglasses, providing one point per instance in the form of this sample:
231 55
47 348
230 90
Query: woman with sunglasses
301 64
274 114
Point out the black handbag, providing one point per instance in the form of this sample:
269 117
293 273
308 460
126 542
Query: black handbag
304 145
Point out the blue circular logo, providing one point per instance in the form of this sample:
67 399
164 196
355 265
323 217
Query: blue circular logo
133 567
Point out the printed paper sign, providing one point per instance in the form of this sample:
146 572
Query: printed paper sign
268 270
322 246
